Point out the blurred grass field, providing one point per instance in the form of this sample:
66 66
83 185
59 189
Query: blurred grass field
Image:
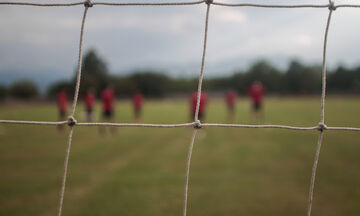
141 171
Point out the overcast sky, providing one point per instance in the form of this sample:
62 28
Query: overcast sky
38 40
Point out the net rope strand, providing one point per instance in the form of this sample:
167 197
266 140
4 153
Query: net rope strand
104 3
187 175
202 63
72 122
149 3
66 163
33 122
42 4
78 74
196 124
323 88
190 124
322 125
313 174
177 4
270 5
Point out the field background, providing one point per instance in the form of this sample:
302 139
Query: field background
141 171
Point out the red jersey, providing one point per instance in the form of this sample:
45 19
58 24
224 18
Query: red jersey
89 100
193 101
230 98
62 101
107 98
138 99
256 92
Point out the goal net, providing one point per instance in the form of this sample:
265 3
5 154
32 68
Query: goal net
196 124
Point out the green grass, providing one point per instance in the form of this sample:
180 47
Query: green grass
141 171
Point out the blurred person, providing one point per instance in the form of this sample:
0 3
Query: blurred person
230 98
202 107
89 100
256 91
107 99
138 100
62 107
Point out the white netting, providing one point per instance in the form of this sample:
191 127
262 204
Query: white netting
71 122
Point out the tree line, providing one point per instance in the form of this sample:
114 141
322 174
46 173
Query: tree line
298 78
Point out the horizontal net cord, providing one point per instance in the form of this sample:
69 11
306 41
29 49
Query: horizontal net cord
189 124
343 128
148 3
347 6
43 4
287 6
259 126
271 6
33 122
134 124
178 4
110 124
279 127
104 3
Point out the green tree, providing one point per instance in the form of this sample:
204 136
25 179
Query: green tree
3 92
25 89
123 86
302 78
94 72
54 89
263 71
344 80
183 85
150 83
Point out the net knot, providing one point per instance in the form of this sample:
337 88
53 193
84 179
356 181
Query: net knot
322 127
88 3
332 6
197 124
71 121
208 2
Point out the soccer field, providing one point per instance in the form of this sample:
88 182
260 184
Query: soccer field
141 171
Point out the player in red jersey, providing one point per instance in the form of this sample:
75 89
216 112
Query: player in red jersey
62 106
202 107
89 100
138 100
256 91
107 99
230 98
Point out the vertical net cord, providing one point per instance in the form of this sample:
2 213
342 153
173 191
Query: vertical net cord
313 175
202 63
188 163
78 76
66 161
321 124
323 91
